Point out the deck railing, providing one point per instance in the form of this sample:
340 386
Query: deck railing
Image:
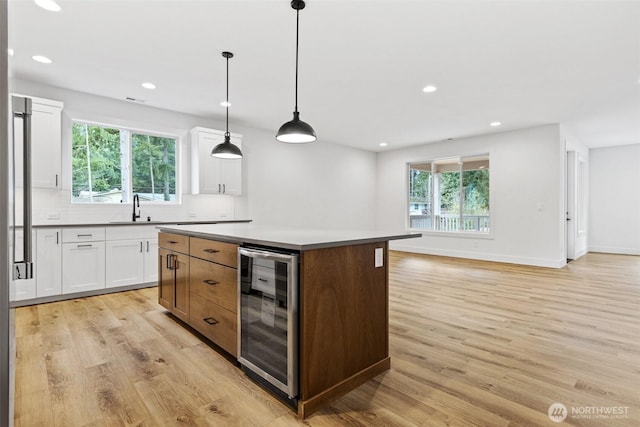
451 222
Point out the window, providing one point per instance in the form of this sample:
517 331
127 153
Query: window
450 194
111 164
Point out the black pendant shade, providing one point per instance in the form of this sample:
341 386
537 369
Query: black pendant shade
227 150
296 131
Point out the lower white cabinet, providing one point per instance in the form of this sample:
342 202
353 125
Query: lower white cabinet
48 262
83 266
131 255
23 289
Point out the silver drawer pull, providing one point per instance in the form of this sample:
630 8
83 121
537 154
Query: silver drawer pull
211 251
210 282
172 242
84 235
85 246
210 320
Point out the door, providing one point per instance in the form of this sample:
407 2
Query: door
49 262
166 279
82 267
124 262
6 199
151 261
181 271
571 192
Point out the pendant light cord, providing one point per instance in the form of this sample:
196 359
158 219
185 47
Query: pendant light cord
297 27
227 132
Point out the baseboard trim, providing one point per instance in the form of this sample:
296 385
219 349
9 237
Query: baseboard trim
615 250
536 262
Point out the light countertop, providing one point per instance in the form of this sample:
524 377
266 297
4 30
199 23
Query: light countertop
285 237
129 223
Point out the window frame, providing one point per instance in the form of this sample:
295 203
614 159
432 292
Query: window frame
129 191
459 233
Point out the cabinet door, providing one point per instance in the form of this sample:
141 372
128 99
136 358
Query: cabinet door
166 279
181 302
124 262
24 289
49 265
151 260
46 138
212 175
82 267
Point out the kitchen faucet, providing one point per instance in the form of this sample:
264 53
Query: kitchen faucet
136 200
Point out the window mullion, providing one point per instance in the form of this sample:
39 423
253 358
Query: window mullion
460 189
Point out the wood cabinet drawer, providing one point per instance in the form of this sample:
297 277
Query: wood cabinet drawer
212 250
215 283
214 322
174 242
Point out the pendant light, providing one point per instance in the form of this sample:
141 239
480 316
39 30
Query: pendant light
227 150
296 131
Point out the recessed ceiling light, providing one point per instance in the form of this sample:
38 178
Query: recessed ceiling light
429 89
48 5
148 85
383 144
10 52
41 59
225 104
494 124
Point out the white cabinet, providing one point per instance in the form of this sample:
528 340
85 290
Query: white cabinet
131 255
24 289
46 142
83 259
211 175
48 262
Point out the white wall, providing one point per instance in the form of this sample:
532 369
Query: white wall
614 202
527 197
317 185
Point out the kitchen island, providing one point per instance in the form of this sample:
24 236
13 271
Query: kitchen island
342 319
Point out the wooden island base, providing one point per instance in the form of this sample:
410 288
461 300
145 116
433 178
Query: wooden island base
308 407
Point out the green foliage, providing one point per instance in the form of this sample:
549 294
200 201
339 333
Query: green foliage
153 165
97 150
97 162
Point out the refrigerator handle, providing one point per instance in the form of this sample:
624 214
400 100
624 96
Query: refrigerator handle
22 109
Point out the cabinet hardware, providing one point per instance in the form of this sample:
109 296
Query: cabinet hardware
140 246
147 246
210 282
173 242
56 180
260 279
219 190
85 246
169 262
57 237
175 262
224 188
210 320
84 235
211 251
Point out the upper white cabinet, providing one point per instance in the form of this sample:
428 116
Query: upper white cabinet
209 174
46 139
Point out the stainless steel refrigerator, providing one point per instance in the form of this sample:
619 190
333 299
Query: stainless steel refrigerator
7 194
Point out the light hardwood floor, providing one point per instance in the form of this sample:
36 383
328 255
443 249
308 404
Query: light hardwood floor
472 343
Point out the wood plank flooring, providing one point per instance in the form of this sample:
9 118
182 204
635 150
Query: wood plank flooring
472 344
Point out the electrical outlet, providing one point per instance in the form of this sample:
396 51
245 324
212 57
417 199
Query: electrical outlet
379 257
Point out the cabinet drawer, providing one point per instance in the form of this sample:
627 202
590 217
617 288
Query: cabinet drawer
215 283
175 242
212 250
88 234
215 323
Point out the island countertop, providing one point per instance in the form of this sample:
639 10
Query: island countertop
300 239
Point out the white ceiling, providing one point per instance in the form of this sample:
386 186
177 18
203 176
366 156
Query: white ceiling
363 64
